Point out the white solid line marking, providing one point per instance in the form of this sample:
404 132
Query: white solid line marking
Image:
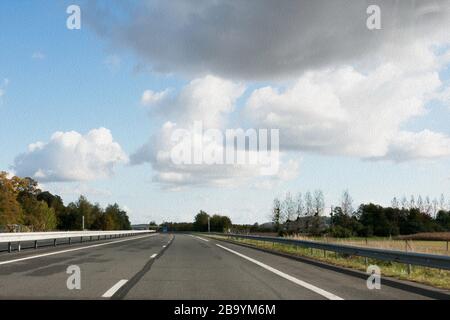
70 250
304 284
114 288
201 238
153 255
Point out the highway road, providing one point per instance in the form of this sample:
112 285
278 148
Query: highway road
181 266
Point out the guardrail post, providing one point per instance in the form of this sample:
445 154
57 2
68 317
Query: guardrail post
18 247
9 247
70 241
35 244
406 249
54 242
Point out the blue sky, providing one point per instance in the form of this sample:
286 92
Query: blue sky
59 80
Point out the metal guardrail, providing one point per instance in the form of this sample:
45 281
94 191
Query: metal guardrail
410 258
18 238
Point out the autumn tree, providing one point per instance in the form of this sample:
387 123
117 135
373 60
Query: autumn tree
37 215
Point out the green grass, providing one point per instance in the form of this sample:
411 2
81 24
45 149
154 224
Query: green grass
423 246
430 276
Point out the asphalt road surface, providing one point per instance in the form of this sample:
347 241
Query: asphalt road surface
181 266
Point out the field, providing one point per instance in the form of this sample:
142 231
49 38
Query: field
434 277
413 243
438 236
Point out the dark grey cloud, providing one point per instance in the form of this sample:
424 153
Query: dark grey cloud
258 39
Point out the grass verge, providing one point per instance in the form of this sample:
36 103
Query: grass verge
429 276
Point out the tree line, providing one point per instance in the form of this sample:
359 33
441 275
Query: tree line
304 214
23 203
217 223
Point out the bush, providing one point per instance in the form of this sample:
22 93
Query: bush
340 232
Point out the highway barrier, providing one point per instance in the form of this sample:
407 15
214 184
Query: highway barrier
15 240
409 258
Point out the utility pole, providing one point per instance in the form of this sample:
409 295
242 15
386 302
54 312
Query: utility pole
209 225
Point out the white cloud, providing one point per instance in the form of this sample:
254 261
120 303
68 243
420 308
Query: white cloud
263 39
290 170
340 111
346 95
349 112
70 156
418 145
150 97
38 55
127 209
444 96
210 100
172 175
